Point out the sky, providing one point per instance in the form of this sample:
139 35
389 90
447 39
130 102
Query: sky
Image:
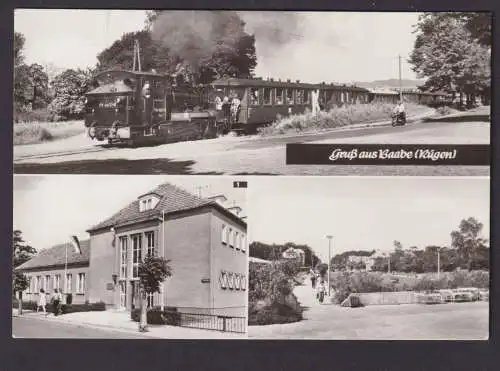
50 208
321 46
363 213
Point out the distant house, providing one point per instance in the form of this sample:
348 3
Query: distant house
360 263
46 271
297 254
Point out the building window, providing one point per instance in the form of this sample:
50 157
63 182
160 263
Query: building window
224 235
150 240
69 283
237 240
150 300
123 257
47 283
243 242
38 283
30 284
136 254
80 283
307 96
57 282
267 96
231 241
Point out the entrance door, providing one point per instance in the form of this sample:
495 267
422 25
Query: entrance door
123 294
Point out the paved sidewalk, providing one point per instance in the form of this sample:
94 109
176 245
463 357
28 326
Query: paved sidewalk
120 321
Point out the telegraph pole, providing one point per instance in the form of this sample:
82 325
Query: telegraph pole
400 80
439 268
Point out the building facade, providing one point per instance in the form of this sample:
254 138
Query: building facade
46 271
204 242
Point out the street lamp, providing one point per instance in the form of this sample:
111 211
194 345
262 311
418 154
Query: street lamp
329 237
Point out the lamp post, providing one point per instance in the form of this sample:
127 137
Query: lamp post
329 237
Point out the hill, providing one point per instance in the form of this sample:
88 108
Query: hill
390 83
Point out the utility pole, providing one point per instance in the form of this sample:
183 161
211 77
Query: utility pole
400 81
329 237
439 268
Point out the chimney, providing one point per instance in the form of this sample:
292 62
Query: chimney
288 80
297 81
271 79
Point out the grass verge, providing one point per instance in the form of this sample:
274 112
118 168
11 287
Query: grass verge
337 117
39 132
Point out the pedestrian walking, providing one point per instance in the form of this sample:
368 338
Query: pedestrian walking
56 302
313 280
42 302
321 291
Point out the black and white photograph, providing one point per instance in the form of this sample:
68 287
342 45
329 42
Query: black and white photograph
225 92
129 257
369 258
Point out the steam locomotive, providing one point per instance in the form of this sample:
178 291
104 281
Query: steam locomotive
139 107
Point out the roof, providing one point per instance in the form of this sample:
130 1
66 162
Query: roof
118 87
380 91
232 81
56 256
136 73
251 259
172 199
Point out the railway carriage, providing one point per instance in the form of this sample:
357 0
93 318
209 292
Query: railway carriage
338 95
262 101
137 107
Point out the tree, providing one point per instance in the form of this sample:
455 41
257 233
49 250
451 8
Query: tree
206 45
467 240
120 55
152 272
21 252
450 56
70 87
19 41
19 284
39 82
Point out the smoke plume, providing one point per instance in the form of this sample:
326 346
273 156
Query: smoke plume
195 36
273 30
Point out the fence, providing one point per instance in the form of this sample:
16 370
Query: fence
213 322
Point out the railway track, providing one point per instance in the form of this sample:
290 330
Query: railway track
61 153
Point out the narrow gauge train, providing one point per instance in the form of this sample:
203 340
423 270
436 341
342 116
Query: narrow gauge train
139 107
262 101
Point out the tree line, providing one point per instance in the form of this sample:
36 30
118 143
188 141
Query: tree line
227 51
452 51
468 250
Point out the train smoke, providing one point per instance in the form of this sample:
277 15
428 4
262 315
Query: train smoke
273 30
194 36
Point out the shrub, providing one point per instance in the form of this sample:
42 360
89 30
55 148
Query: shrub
275 313
155 316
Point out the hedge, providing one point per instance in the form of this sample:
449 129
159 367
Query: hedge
65 308
155 316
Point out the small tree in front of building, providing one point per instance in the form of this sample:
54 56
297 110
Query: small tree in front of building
19 284
152 272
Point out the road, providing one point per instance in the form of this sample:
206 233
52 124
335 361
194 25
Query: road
255 154
457 321
36 328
